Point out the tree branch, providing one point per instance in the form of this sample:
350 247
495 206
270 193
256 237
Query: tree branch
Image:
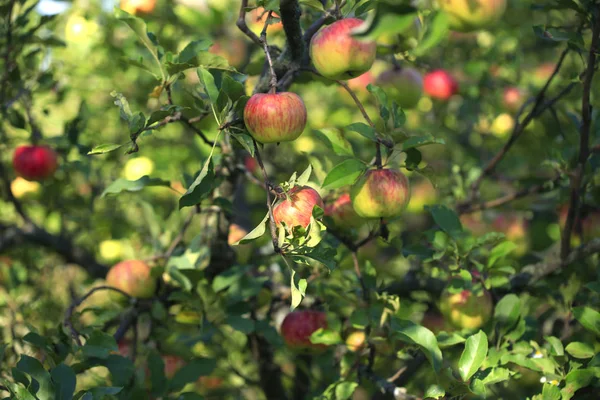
242 26
268 186
290 13
584 141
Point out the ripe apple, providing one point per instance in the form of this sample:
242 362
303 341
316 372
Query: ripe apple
342 213
356 341
336 54
132 277
35 163
439 84
275 117
502 125
137 167
256 21
469 15
22 187
296 209
380 193
138 6
298 326
243 251
405 86
466 309
512 98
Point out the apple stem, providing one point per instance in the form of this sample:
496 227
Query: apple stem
263 40
268 187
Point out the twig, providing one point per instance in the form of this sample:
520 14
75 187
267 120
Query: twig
265 45
69 313
584 141
242 26
180 236
272 226
390 388
7 62
358 102
519 127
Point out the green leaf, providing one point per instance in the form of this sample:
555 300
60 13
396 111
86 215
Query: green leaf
345 173
325 336
192 49
139 27
105 148
305 176
550 392
580 350
191 372
64 382
500 251
473 355
589 318
298 290
99 345
412 333
446 219
19 392
122 184
449 339
36 370
576 380
344 390
496 375
123 105
556 348
241 324
363 129
418 141
438 30
201 187
255 233
507 311
335 141
434 392
121 369
316 4
208 81
156 366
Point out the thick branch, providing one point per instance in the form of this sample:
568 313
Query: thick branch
290 13
241 23
269 372
584 141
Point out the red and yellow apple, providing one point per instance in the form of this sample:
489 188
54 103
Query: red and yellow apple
297 207
138 6
342 213
237 233
515 229
380 193
469 15
466 309
439 84
298 326
512 98
422 194
132 277
405 86
336 54
35 163
356 341
275 117
256 21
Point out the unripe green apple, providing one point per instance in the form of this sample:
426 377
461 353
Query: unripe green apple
342 213
137 167
503 125
296 209
470 15
466 310
405 86
132 277
111 250
380 193
336 54
275 117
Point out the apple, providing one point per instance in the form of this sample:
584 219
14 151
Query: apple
502 125
515 229
434 321
138 6
440 85
275 117
35 163
298 326
132 277
256 21
542 73
356 341
124 348
380 193
422 194
22 187
405 86
296 209
81 31
232 49
470 15
512 98
342 213
137 167
111 250
466 309
210 382
243 251
336 54
172 364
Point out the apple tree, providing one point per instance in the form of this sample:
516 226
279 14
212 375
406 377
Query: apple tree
300 199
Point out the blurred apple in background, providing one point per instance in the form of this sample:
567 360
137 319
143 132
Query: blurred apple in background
469 15
513 98
256 21
439 84
502 125
342 213
111 250
138 6
380 193
234 50
22 187
422 193
133 277
403 85
137 167
542 73
466 309
515 228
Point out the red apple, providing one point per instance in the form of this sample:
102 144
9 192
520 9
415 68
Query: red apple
296 209
172 365
380 193
356 341
512 98
210 382
275 117
132 277
469 15
467 309
138 6
405 86
298 326
439 84
342 213
35 163
336 54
